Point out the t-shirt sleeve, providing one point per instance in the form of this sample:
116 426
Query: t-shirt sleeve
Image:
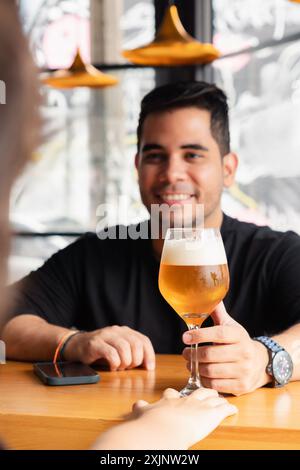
53 291
284 272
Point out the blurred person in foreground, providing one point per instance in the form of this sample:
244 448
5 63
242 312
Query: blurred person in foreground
170 423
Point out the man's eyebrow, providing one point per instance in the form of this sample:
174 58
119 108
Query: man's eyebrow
194 146
148 147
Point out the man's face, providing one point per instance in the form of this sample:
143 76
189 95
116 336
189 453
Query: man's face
179 162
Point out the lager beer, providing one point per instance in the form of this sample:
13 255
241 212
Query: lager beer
193 278
193 291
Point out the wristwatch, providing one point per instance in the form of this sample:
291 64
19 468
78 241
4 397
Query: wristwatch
280 366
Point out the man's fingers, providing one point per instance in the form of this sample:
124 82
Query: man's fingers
102 350
149 354
137 353
215 334
229 370
231 386
215 353
142 351
220 315
123 349
226 329
120 346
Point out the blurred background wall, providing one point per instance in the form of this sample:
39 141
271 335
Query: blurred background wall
89 136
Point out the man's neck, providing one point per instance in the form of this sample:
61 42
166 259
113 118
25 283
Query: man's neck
214 220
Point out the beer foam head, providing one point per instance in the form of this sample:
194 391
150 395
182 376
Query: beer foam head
194 252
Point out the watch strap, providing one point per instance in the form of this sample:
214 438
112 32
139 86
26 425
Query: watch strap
273 348
269 343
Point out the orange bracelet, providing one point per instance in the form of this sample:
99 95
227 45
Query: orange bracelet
61 343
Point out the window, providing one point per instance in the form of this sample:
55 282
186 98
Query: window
264 94
89 135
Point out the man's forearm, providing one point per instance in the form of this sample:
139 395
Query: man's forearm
290 340
30 338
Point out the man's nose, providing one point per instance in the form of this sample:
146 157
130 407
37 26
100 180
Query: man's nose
173 170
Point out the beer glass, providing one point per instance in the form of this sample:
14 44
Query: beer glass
193 278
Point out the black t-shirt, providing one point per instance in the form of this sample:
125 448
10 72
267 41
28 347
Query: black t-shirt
95 283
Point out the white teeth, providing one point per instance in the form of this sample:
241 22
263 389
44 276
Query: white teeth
175 197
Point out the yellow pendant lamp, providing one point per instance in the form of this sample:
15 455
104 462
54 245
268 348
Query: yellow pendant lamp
79 75
172 46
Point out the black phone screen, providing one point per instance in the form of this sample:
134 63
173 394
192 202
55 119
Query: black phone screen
65 369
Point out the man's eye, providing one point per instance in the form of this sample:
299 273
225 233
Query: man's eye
193 155
153 157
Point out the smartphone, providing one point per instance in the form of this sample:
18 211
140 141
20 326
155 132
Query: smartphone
65 373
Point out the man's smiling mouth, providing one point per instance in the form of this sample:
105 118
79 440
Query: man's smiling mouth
174 197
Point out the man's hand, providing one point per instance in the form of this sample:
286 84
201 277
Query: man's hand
234 363
119 346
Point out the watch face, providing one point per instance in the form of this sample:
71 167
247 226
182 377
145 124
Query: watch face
282 367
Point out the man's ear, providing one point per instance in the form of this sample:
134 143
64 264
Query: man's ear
230 164
136 160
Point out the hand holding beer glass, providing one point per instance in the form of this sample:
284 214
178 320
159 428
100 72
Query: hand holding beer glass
193 278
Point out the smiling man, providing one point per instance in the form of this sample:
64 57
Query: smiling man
184 157
107 288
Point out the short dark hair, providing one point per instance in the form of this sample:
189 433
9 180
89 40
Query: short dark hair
200 95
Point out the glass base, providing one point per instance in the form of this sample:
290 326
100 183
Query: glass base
190 387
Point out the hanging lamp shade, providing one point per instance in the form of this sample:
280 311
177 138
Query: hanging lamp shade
79 75
172 46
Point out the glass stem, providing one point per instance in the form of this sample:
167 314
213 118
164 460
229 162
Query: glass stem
195 377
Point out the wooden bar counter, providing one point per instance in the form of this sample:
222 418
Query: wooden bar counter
35 416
